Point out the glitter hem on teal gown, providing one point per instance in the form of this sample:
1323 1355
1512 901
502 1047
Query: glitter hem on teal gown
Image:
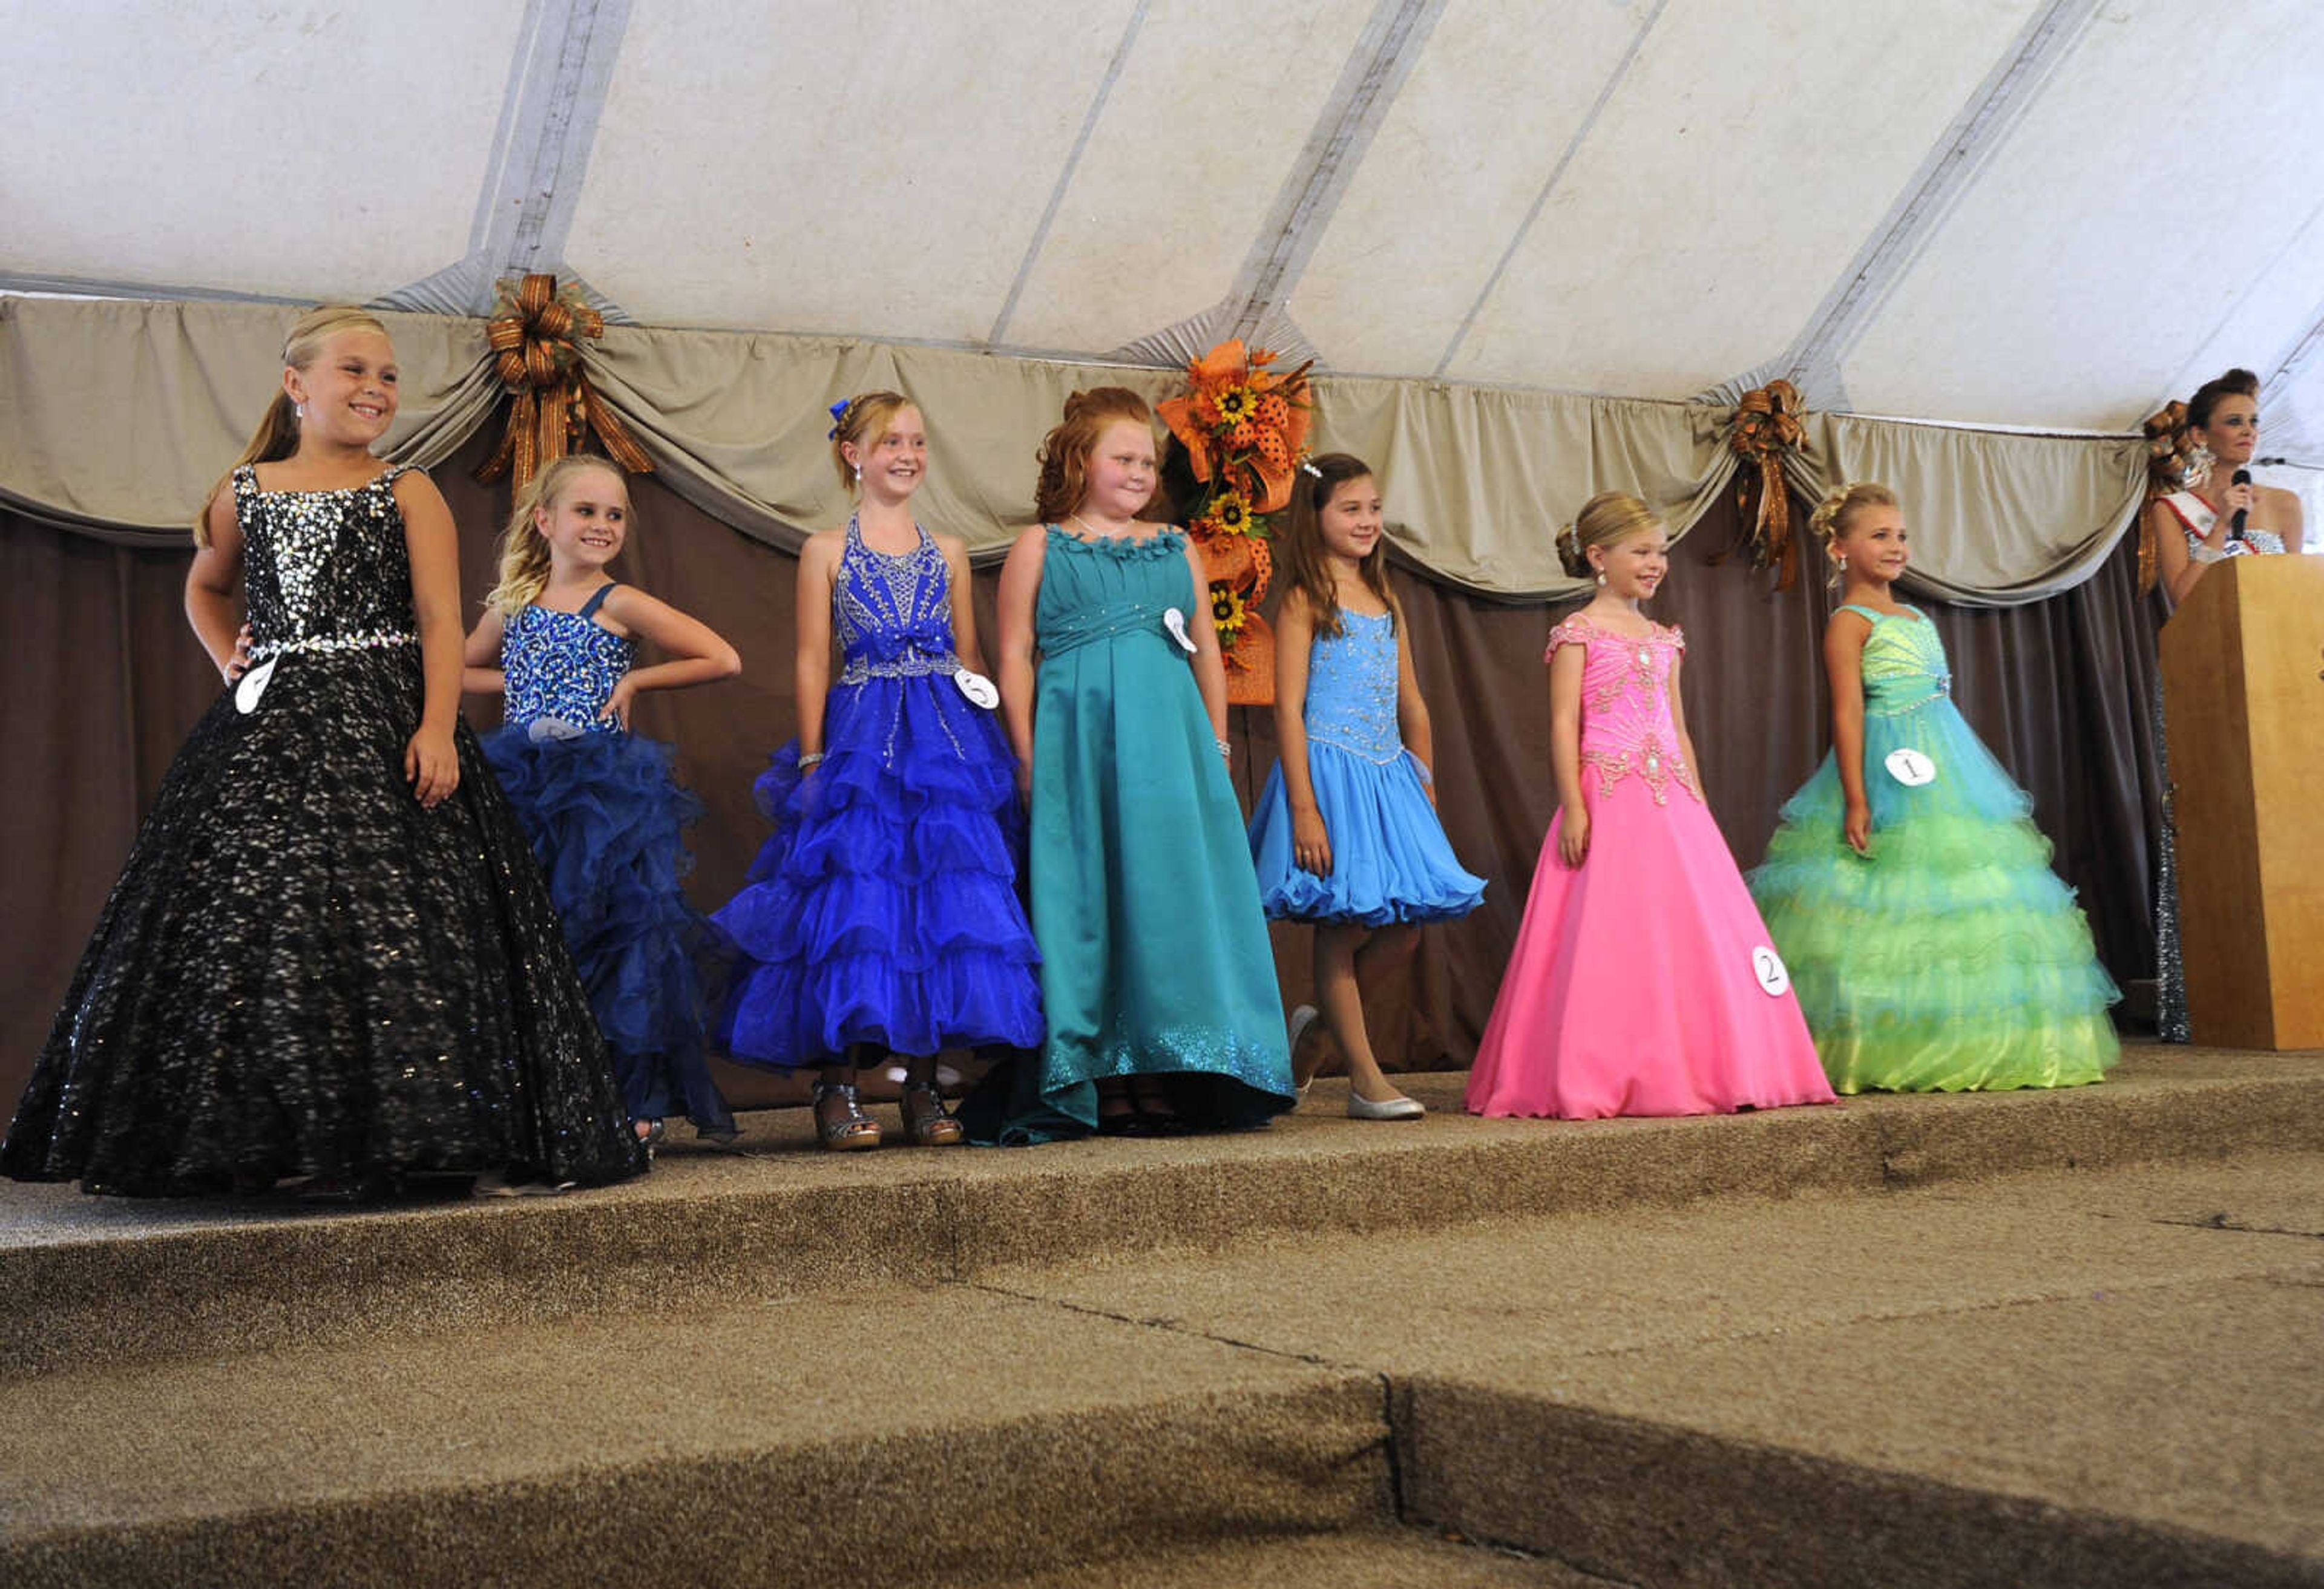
1951 958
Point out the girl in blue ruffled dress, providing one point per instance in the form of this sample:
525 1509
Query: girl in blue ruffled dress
605 818
881 919
1346 834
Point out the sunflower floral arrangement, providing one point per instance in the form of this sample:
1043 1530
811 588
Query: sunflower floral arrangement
1244 427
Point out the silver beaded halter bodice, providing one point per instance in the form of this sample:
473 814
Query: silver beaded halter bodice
892 613
324 571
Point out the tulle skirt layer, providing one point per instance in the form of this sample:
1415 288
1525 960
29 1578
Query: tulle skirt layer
1950 958
884 909
607 823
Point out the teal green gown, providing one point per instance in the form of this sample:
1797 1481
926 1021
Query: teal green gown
1154 958
1951 958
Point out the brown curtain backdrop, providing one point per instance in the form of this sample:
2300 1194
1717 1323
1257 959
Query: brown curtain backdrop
103 680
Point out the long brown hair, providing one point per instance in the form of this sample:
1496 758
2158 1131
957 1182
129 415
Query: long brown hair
1065 451
277 436
1305 566
525 556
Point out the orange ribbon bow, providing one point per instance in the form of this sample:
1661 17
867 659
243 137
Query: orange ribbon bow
535 332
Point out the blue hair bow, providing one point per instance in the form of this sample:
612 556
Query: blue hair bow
838 414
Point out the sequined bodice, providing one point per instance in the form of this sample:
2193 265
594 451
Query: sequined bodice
562 666
324 571
2197 518
1352 688
1904 664
1626 728
892 613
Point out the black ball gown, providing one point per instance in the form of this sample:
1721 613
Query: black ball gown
300 971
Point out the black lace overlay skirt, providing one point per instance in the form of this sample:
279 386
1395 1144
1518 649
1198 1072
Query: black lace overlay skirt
302 972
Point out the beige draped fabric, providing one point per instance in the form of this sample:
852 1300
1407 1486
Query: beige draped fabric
116 418
1996 519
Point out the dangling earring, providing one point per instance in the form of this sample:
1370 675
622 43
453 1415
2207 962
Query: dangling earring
300 410
1601 576
858 474
1843 562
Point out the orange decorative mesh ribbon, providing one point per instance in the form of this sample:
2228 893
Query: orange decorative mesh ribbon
1244 427
2170 453
535 332
1766 427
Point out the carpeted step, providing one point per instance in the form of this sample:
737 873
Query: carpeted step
2056 1379
1363 1558
87 1280
896 1438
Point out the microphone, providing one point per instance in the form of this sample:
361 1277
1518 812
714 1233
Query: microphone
2236 524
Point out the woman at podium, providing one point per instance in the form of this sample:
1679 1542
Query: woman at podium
2207 520
2211 517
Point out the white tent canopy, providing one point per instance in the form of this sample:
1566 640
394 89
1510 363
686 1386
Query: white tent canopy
2052 214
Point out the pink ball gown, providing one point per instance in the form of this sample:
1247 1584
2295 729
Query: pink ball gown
1642 981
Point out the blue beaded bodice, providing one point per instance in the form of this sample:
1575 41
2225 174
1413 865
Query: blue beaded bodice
1352 688
892 613
563 667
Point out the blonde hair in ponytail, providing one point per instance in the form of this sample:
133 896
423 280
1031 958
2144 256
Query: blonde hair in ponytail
1605 519
1830 519
524 549
277 436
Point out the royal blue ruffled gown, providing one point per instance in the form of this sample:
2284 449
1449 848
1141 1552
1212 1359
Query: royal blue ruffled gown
1390 860
607 821
883 911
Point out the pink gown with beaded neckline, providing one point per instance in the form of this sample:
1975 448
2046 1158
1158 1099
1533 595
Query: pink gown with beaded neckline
1642 981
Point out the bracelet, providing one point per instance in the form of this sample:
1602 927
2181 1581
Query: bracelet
811 758
2208 554
1420 767
1225 750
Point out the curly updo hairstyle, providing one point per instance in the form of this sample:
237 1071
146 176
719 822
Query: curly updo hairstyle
1605 519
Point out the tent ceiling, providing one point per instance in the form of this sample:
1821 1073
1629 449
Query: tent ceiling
2052 213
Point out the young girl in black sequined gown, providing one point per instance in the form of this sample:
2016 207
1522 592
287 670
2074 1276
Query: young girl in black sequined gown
330 954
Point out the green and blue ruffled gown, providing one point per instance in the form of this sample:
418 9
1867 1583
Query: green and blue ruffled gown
1154 959
1951 958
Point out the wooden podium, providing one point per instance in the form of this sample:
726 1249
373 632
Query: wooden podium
2242 688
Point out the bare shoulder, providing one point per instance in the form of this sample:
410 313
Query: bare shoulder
417 487
824 549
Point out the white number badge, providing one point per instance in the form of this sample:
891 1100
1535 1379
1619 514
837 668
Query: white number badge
1175 622
1910 769
253 685
980 691
1768 966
